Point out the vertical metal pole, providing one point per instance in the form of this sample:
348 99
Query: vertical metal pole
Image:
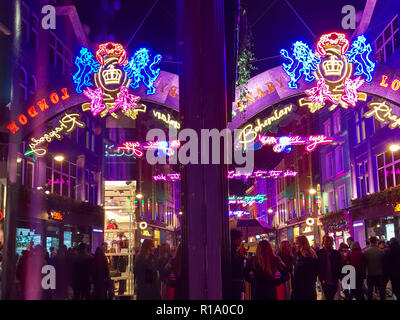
202 88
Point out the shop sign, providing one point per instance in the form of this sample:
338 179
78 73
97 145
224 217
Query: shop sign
66 125
146 233
33 110
332 67
308 229
55 215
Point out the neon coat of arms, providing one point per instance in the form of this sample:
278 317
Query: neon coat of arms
112 75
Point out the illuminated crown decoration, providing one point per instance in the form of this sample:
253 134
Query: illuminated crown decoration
332 67
113 75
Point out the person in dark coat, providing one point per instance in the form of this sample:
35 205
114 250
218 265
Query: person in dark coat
100 275
392 265
81 273
237 262
305 271
164 267
62 273
355 257
374 265
330 267
146 273
261 272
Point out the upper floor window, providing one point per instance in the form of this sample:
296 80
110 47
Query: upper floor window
388 165
388 41
339 159
29 26
23 84
362 178
329 165
361 133
336 122
59 56
341 197
327 127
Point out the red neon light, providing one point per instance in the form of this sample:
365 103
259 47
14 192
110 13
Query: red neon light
56 215
54 98
132 146
333 39
109 49
22 119
32 112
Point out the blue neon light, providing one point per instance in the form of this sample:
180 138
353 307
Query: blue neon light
302 61
86 66
359 53
139 70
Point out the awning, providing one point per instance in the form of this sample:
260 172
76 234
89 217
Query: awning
252 227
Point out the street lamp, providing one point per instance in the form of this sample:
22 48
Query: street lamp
394 147
139 196
59 158
312 191
270 210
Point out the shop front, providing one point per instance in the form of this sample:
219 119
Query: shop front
381 221
52 221
338 226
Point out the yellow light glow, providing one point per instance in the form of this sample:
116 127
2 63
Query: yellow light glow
59 158
394 147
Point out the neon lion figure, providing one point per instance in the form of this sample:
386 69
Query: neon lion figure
86 66
359 53
139 70
306 62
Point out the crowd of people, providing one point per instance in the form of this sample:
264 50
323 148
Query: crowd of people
294 273
291 272
79 275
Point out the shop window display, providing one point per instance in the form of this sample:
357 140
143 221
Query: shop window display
119 234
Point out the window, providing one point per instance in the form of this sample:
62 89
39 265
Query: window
34 35
361 133
23 84
328 162
29 178
327 128
331 201
59 56
388 165
339 159
341 197
32 85
362 178
336 122
388 41
24 22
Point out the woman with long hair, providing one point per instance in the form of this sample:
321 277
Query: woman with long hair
262 271
146 274
305 271
286 255
175 287
164 266
100 274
